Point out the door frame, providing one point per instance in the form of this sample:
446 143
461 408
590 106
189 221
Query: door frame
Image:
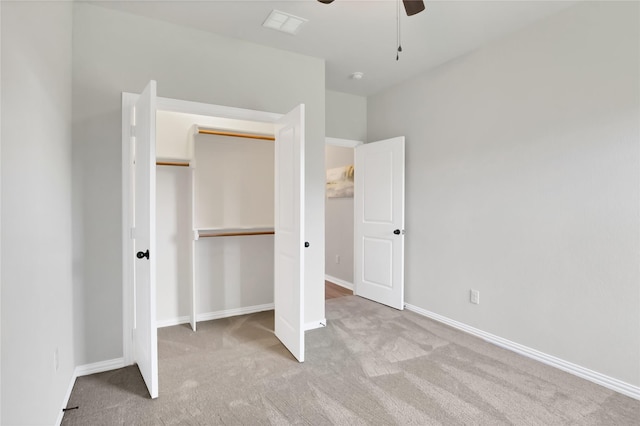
163 104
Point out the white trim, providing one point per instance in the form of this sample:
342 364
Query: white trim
65 401
345 143
569 367
338 281
208 316
173 321
210 110
128 101
99 367
315 324
85 370
235 312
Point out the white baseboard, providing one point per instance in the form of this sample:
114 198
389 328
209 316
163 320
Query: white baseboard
172 321
234 312
99 367
569 367
65 401
338 281
315 324
208 316
85 370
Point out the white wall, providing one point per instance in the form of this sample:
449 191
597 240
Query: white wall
234 273
346 116
523 182
116 52
234 182
339 222
37 281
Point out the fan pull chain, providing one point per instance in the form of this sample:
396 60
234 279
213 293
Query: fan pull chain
398 35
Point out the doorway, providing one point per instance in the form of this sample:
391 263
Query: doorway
365 218
339 214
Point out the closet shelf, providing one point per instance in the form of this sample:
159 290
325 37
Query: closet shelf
231 232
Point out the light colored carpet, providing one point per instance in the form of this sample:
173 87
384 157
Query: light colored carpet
370 365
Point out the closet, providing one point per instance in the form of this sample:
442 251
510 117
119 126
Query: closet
215 217
169 261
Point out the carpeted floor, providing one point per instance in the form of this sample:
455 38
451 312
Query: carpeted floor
370 365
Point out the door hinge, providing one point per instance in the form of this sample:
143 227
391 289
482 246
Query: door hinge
133 131
133 233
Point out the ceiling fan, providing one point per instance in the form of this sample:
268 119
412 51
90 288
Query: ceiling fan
410 6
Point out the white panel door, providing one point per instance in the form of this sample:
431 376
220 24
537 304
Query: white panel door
379 222
145 336
289 224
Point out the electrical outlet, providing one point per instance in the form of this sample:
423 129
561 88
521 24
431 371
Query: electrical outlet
475 297
56 360
337 258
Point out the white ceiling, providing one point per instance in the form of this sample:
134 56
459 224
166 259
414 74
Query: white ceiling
357 35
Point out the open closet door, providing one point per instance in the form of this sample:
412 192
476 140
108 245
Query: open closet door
379 222
289 225
145 335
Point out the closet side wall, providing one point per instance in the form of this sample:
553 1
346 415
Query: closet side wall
173 244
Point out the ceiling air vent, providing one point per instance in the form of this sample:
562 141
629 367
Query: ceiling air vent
284 22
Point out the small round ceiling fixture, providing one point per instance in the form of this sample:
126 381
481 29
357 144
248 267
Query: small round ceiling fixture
356 75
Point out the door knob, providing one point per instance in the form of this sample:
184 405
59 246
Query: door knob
397 232
306 244
142 254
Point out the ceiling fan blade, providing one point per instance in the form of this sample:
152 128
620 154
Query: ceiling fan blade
326 1
411 6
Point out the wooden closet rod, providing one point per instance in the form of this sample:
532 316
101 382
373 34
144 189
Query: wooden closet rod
235 134
236 234
172 163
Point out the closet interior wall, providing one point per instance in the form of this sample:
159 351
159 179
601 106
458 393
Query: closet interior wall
227 187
